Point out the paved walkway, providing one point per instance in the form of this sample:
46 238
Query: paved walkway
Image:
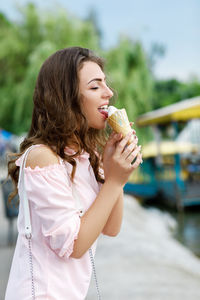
142 262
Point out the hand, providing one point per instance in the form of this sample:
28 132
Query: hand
111 145
118 156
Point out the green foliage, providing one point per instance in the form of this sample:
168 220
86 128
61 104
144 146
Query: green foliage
26 43
128 67
24 47
167 92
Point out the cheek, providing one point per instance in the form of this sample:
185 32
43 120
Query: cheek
83 104
86 108
88 104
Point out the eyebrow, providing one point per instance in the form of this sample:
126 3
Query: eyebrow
97 79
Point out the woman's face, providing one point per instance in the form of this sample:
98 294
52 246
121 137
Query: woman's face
95 94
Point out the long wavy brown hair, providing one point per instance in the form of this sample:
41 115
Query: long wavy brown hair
57 119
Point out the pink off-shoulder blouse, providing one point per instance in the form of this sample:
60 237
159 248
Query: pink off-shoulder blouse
55 224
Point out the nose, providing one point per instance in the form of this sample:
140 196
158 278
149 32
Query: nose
107 93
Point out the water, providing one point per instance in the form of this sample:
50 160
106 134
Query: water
188 229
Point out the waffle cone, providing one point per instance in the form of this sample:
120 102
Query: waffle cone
120 123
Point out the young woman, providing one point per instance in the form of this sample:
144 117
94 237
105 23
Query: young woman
68 149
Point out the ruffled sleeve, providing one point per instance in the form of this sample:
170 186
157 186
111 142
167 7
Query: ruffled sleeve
50 194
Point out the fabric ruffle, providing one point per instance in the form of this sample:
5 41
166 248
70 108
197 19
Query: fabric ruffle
46 168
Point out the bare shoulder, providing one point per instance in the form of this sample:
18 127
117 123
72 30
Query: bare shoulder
41 156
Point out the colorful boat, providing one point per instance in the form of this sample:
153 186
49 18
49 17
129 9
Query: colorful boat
170 173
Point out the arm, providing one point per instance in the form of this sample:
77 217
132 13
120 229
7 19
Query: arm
113 224
118 168
96 217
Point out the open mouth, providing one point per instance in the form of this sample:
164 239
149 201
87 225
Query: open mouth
104 110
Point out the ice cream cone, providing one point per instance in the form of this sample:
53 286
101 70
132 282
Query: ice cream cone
119 122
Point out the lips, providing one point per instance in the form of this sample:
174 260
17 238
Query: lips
104 113
104 110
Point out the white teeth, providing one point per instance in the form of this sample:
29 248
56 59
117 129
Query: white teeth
104 107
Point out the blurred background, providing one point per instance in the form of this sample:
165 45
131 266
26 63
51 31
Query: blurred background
152 53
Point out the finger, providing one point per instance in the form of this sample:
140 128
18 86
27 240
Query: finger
137 162
134 154
133 130
123 143
111 135
135 137
134 140
114 138
129 149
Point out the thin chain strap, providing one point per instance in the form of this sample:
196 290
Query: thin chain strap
94 273
28 229
31 269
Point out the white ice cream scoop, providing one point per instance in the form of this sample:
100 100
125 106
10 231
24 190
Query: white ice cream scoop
118 120
111 110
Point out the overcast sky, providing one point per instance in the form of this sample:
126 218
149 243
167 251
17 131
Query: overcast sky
172 23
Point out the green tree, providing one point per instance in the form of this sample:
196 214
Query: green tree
170 91
127 65
25 44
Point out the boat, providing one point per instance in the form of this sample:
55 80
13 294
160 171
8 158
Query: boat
170 173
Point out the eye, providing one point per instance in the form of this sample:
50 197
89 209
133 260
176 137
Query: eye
94 88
